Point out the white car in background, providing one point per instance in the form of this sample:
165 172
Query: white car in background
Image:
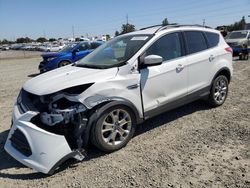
51 48
123 82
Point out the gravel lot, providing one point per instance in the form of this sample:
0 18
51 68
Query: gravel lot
192 146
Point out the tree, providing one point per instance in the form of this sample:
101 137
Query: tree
240 25
5 41
165 22
41 39
126 28
107 37
52 39
117 33
23 40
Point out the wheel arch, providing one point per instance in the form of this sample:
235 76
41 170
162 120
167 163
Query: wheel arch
223 71
119 101
93 114
63 60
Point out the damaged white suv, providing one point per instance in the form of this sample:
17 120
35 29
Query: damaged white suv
125 81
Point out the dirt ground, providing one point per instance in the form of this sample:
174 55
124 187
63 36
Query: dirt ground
192 146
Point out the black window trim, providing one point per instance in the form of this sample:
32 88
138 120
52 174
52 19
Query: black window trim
186 46
204 32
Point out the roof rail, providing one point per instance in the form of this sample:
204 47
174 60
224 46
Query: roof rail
183 25
193 25
173 25
151 26
158 25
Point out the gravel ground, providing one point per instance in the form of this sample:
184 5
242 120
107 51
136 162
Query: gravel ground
192 146
20 54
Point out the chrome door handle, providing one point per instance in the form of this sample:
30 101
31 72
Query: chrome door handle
211 58
179 68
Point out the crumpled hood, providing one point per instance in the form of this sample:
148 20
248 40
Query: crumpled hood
66 77
51 54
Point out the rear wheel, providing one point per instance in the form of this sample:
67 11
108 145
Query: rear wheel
113 129
219 91
63 63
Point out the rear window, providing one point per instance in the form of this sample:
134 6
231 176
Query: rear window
213 39
196 41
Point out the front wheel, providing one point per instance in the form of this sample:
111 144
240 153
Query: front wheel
219 91
113 129
63 63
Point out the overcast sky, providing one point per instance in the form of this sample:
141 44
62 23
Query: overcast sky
53 18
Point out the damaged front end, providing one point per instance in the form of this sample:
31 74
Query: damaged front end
47 130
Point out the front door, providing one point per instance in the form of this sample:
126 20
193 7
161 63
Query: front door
165 83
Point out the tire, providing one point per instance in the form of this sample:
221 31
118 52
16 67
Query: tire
63 63
240 57
219 91
246 57
107 133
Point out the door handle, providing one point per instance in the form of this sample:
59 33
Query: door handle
211 58
179 68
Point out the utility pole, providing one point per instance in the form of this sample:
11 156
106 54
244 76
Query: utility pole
204 22
73 31
127 18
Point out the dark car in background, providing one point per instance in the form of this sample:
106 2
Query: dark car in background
67 55
239 41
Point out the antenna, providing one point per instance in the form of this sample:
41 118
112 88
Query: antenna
204 22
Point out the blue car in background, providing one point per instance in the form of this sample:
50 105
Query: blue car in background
67 55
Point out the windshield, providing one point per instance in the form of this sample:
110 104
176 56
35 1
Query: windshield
238 35
115 52
68 48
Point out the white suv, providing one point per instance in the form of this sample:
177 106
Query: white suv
103 96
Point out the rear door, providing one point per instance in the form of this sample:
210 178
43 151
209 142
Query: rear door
167 82
199 60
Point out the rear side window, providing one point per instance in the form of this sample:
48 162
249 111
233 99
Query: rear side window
213 39
168 47
83 47
94 45
196 41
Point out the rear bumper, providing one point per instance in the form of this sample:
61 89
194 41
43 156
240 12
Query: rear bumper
239 50
45 150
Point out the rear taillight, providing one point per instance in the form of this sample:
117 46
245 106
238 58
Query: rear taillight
228 49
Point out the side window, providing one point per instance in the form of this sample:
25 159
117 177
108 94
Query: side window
195 41
83 47
94 45
213 39
168 47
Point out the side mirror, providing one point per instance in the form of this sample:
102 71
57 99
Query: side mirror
153 60
74 51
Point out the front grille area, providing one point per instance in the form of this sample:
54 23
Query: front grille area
20 143
29 102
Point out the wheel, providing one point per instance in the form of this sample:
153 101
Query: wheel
246 57
113 129
219 91
63 63
240 57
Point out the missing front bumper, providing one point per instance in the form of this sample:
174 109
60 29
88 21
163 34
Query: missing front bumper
36 148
